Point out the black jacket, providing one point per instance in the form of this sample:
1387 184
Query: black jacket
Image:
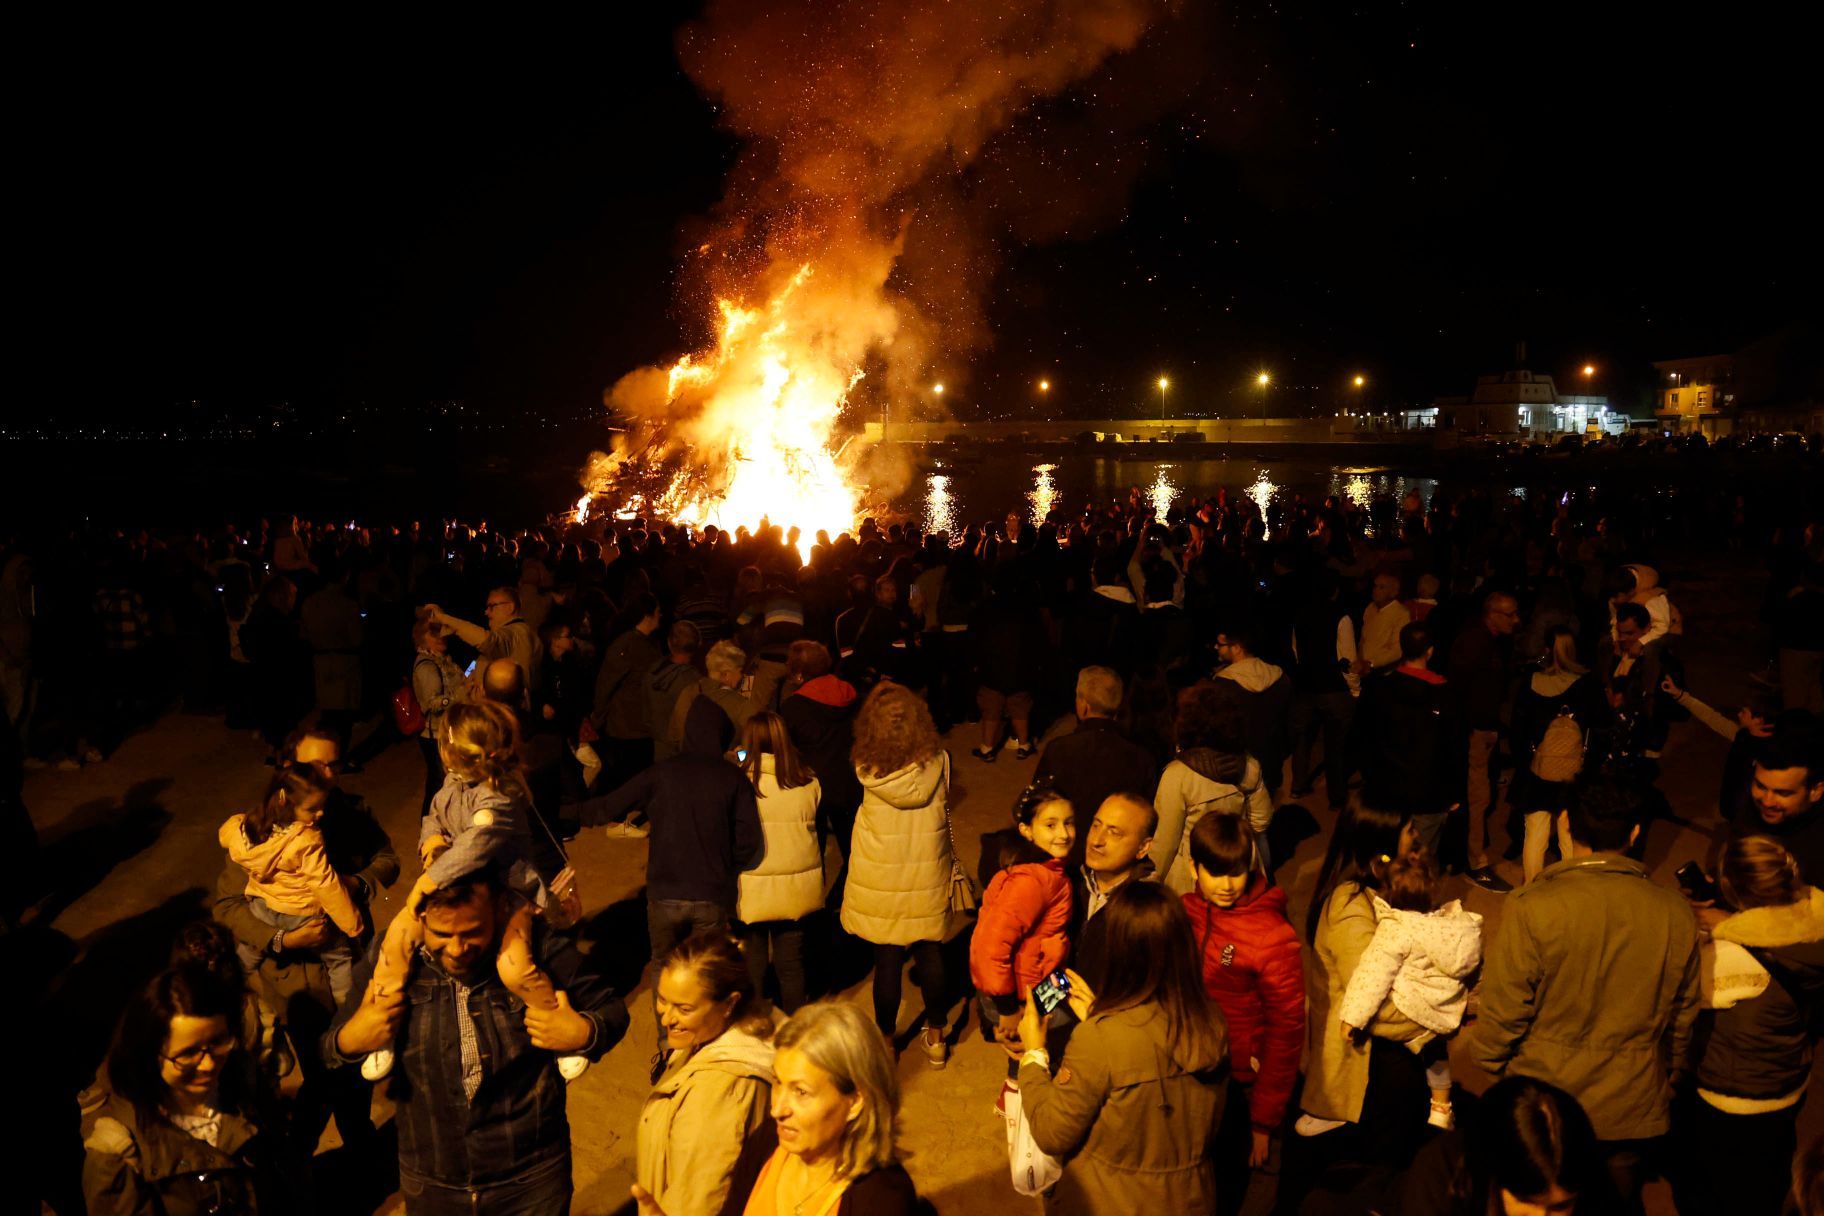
1417 763
1761 1047
1478 675
1089 764
820 718
705 823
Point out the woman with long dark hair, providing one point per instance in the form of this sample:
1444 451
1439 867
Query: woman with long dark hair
172 1131
787 886
1529 1147
1132 1111
1364 1100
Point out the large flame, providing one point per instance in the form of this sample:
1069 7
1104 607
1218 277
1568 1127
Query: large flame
745 432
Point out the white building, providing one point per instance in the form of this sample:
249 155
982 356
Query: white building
1526 405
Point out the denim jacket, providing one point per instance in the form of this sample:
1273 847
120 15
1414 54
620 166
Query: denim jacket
517 1119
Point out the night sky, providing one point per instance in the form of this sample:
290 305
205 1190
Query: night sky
497 212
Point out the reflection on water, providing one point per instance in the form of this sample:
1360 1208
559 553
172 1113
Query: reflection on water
1161 493
983 486
1044 494
940 509
1262 492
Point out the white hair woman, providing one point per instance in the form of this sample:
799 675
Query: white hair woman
830 1148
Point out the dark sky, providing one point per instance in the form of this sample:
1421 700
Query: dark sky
494 212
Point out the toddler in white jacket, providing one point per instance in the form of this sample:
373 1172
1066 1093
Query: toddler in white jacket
1423 958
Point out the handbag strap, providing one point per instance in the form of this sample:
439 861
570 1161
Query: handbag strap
956 858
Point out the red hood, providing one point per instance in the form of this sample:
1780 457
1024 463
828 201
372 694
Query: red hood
1420 673
830 690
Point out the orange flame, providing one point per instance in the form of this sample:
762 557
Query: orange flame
745 432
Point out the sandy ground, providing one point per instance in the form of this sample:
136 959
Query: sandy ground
144 826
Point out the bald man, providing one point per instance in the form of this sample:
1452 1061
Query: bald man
1120 837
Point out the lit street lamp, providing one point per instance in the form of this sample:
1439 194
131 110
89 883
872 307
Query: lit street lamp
1263 380
1163 385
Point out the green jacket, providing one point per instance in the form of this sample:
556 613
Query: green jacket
1130 1120
1592 985
153 1169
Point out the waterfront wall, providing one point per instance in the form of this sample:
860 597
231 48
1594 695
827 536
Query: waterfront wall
1137 431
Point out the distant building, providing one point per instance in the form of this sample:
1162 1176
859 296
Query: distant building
1696 396
1523 404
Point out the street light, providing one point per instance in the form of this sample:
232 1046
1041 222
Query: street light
1163 385
1263 380
1044 386
1359 381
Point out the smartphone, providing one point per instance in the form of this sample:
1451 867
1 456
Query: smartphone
1697 884
741 754
1051 991
470 669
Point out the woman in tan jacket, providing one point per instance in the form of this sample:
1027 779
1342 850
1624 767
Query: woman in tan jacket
1364 1099
718 1079
1132 1111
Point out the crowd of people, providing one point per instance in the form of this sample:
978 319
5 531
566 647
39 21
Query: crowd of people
1430 670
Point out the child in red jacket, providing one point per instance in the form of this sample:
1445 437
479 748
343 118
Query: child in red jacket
1020 934
1252 970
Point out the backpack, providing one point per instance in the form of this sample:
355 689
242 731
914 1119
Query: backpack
408 715
1559 756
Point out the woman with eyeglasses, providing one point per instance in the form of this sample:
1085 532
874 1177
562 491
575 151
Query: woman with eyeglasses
173 1130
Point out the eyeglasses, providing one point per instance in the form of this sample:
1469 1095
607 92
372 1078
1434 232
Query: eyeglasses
217 1049
493 604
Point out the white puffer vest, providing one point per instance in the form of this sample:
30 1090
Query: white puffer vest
898 891
788 882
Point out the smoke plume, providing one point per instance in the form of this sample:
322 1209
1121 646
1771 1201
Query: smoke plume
847 247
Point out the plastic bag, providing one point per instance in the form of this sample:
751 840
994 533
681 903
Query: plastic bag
1034 1171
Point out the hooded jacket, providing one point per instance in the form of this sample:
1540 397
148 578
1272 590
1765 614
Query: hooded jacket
1252 969
788 882
1265 696
1021 935
820 718
1191 787
701 1111
705 824
1423 960
132 1168
1755 1053
291 872
1129 1117
900 863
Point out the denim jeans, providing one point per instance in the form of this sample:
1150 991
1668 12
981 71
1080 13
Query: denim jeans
337 954
544 1190
786 938
1334 711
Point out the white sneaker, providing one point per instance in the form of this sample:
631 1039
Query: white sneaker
377 1064
1311 1125
627 831
1442 1116
572 1067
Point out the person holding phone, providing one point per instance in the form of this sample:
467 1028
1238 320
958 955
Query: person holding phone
1022 935
1132 1111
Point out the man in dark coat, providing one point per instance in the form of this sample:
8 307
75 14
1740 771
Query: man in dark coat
1095 760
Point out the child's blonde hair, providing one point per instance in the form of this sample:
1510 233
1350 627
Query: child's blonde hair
480 745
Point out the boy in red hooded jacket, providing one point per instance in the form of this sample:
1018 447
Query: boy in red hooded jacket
1021 933
1252 970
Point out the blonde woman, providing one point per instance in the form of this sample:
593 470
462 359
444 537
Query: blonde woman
831 1146
787 886
900 862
